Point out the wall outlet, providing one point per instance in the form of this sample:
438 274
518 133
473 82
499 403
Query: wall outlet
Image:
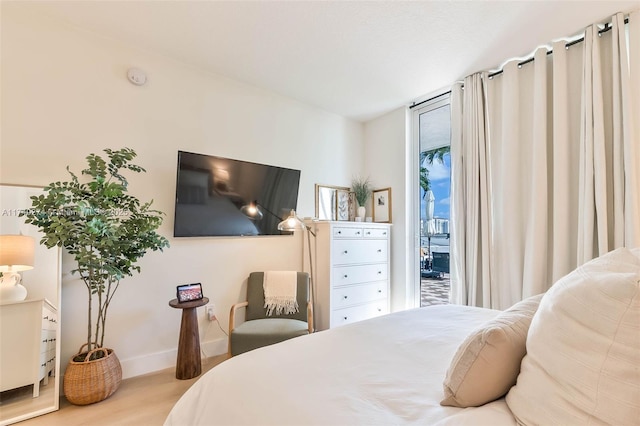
211 312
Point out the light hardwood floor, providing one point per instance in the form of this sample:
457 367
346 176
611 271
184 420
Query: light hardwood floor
140 401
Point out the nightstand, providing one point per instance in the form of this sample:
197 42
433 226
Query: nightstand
189 363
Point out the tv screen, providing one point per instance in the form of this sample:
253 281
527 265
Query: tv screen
218 196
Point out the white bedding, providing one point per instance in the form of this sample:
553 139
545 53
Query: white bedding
384 371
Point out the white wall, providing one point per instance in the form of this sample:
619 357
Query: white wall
387 150
64 94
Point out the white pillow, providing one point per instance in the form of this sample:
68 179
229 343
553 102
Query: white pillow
487 363
583 348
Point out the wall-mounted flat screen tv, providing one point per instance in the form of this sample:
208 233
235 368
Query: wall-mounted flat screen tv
213 195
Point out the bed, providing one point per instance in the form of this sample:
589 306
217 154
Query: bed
574 350
386 370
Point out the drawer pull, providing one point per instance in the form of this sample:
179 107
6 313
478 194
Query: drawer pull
379 309
379 250
345 252
339 232
384 233
358 233
345 275
379 291
346 297
379 272
368 232
345 318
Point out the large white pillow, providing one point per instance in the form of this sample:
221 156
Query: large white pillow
583 348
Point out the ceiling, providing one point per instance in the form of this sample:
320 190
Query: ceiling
358 59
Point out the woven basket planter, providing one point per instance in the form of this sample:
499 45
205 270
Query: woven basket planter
89 381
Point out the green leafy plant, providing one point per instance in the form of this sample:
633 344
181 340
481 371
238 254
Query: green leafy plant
105 229
362 189
427 157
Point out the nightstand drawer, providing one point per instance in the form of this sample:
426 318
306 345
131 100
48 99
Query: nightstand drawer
345 275
358 294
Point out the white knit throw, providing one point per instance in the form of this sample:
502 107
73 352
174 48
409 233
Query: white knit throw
280 292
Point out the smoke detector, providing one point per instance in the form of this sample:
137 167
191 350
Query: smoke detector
137 76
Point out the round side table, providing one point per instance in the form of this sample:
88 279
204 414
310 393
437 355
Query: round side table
189 364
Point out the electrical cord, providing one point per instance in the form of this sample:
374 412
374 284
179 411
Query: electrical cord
221 329
204 332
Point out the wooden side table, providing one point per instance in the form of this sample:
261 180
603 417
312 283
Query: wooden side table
189 364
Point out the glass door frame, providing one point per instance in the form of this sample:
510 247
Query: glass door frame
431 104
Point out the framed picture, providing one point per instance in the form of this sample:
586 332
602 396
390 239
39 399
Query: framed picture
189 292
343 204
381 205
352 206
327 201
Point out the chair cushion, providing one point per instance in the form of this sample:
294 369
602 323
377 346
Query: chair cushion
487 363
583 348
262 332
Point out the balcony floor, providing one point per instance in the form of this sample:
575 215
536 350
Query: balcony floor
434 291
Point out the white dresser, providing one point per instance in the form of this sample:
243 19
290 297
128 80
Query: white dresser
28 333
351 269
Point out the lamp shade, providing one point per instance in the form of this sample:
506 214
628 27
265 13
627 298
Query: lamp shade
291 223
17 253
252 211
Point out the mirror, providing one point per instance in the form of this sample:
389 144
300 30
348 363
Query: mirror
29 329
331 203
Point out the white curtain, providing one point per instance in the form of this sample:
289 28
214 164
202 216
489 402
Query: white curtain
545 166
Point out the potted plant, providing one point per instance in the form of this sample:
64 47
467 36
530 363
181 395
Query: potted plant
362 191
107 231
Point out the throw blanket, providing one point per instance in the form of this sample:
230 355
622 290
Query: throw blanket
280 292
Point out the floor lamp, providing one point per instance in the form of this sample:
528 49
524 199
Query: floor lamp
291 223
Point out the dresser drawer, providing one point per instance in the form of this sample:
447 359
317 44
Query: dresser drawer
347 232
49 319
358 294
358 313
359 251
345 275
42 366
376 233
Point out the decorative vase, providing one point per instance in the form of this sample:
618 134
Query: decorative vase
12 291
87 381
362 211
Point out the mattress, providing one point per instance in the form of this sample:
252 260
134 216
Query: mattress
383 371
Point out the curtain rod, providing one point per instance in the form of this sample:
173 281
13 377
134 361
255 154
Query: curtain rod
607 27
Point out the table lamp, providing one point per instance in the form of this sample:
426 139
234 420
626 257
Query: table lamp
17 253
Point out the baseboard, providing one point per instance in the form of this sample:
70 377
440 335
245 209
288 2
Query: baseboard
167 359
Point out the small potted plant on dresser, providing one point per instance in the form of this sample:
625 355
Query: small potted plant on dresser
362 191
107 231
